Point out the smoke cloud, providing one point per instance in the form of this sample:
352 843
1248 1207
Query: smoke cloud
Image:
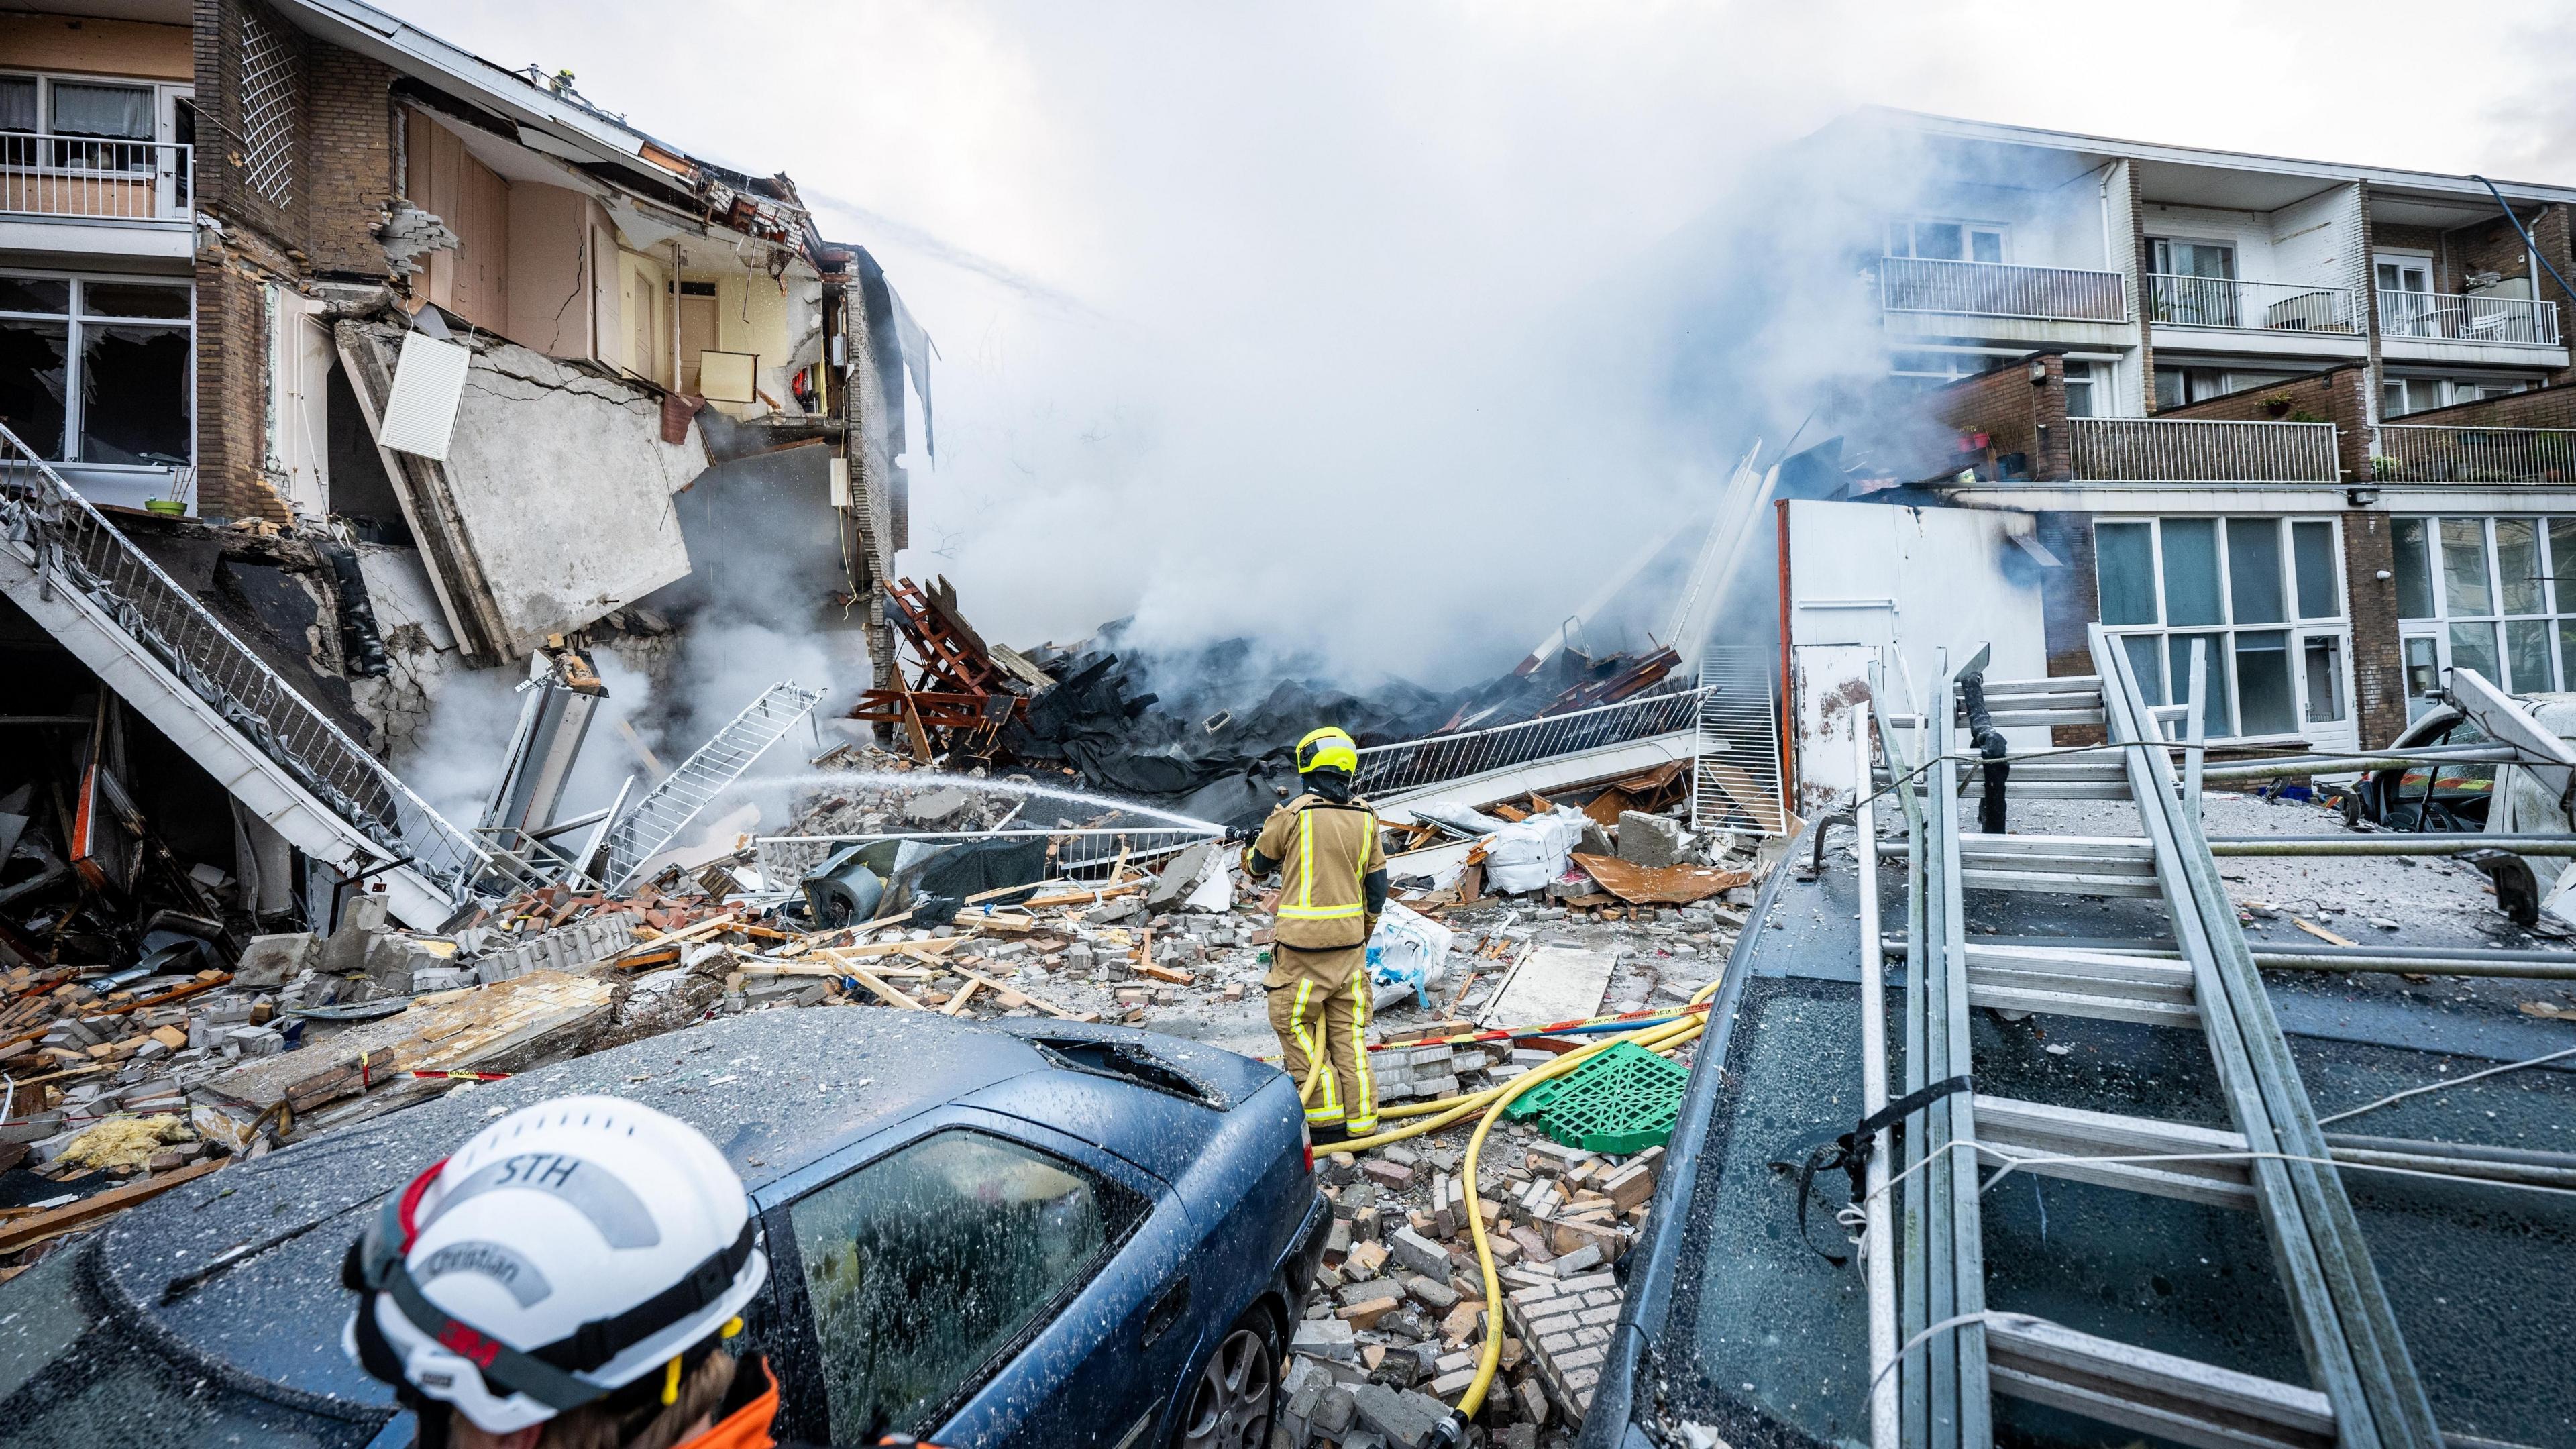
1384 333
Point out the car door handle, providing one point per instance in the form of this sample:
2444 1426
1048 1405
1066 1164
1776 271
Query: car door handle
1167 1310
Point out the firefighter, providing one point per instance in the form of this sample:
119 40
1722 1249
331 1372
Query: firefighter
1332 886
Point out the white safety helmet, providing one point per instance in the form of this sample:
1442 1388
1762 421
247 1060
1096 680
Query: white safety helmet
564 1252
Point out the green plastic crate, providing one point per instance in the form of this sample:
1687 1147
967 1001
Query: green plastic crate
1625 1100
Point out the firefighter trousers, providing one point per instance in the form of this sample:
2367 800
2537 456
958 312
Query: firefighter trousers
1319 1006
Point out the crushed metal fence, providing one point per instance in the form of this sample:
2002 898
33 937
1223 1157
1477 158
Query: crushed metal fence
1735 782
74 546
1389 770
1087 854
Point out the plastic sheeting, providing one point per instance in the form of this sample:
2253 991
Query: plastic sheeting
1408 951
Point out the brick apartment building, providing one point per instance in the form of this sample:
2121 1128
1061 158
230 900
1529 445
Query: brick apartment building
2318 416
397 365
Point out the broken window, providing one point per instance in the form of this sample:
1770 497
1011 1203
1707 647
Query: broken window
98 371
926 1267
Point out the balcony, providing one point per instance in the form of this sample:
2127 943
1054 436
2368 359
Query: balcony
1994 289
86 182
2422 453
2224 302
2443 317
2154 450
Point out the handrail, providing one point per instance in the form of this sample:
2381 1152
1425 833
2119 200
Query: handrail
2190 450
2430 453
2184 301
2468 317
75 546
2000 289
1437 759
96 178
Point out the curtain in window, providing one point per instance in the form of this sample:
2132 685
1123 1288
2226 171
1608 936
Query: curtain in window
17 103
122 112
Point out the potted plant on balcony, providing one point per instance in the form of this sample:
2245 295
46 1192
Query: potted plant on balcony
2276 405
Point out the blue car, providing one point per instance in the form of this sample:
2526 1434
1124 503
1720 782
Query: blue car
1017 1233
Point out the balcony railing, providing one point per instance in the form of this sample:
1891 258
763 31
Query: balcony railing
2174 301
1992 289
2444 317
2190 450
2420 453
89 179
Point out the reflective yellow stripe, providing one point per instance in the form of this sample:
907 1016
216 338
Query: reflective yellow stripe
1328 1088
1305 863
1364 1114
1319 913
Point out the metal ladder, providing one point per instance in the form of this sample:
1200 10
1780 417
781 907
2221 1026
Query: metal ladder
656 820
2367 1393
1735 779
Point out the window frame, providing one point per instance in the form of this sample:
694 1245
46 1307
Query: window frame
167 96
2557 614
2296 629
1128 1201
76 320
1968 232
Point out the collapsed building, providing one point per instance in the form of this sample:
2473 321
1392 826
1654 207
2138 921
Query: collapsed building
417 368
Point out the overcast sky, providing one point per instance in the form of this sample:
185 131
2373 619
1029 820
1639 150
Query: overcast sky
1258 316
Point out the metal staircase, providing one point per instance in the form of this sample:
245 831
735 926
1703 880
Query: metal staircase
1735 779
647 830
151 641
2278 1162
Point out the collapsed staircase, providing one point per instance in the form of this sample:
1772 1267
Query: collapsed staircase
151 641
656 820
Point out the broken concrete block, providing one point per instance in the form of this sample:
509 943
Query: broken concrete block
1368 1312
1431 1293
1405 1417
1649 840
272 961
939 808
1419 1254
1180 877
1326 1338
361 920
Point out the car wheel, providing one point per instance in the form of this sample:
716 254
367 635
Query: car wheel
1232 1402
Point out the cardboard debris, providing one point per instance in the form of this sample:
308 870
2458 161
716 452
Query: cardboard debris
1671 885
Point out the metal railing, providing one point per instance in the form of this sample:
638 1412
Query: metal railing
2176 301
2419 453
1995 289
2445 317
1087 854
2191 450
77 548
1736 783
648 829
94 179
1416 764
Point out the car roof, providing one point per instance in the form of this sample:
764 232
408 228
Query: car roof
219 1267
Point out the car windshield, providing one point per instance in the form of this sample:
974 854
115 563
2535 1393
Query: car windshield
70 1375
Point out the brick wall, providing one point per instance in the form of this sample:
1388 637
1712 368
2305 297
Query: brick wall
2548 407
2340 396
2069 604
232 356
221 176
2140 256
2370 592
2017 415
2446 272
349 135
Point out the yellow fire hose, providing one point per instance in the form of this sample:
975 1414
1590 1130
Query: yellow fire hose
1661 1037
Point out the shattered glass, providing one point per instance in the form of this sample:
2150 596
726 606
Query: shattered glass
924 1267
34 383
